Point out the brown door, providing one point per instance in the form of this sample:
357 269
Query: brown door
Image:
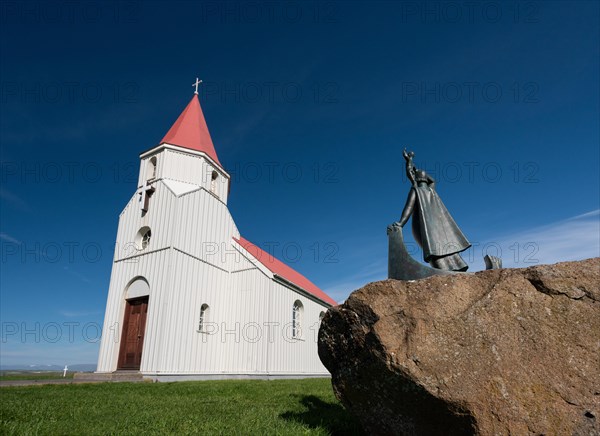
132 338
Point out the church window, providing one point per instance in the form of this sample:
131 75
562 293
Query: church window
151 170
297 310
213 182
143 238
321 315
203 318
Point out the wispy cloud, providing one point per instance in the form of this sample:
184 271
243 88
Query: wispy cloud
45 353
113 118
574 238
8 238
374 271
11 239
13 199
237 135
78 313
77 274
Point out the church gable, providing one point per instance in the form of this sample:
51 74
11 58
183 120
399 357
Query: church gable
180 188
283 272
250 257
244 263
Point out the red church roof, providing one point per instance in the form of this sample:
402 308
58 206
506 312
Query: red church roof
190 131
279 268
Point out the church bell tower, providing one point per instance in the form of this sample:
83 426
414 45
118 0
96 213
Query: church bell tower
185 159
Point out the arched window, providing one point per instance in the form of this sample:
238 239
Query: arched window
142 239
297 311
213 182
151 170
203 319
321 315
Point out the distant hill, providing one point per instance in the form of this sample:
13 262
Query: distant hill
82 367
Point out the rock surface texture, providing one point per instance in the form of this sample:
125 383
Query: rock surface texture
510 351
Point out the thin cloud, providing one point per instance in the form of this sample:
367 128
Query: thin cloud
574 238
8 238
77 313
49 353
594 213
77 274
243 128
114 118
13 199
340 290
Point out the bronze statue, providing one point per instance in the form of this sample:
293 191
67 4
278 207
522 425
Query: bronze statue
433 228
432 225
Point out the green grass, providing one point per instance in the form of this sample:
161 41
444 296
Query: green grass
33 375
241 407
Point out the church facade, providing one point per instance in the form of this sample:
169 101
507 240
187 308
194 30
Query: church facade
191 298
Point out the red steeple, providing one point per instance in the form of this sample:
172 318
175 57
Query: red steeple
190 131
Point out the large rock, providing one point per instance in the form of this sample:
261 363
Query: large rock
511 351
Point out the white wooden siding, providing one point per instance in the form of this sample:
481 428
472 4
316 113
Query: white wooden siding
192 260
185 167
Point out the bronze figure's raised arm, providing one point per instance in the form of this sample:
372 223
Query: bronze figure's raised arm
410 168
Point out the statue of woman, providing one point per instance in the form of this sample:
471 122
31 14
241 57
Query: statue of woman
433 227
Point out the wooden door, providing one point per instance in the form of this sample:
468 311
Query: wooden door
132 337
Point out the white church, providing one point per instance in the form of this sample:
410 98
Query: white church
189 297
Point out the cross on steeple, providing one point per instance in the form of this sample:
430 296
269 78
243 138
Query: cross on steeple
198 82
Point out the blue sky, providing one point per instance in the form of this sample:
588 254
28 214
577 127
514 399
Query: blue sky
309 106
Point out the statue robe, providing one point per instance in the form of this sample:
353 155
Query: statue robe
436 232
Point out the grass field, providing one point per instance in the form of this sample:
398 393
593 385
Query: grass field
33 375
241 407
